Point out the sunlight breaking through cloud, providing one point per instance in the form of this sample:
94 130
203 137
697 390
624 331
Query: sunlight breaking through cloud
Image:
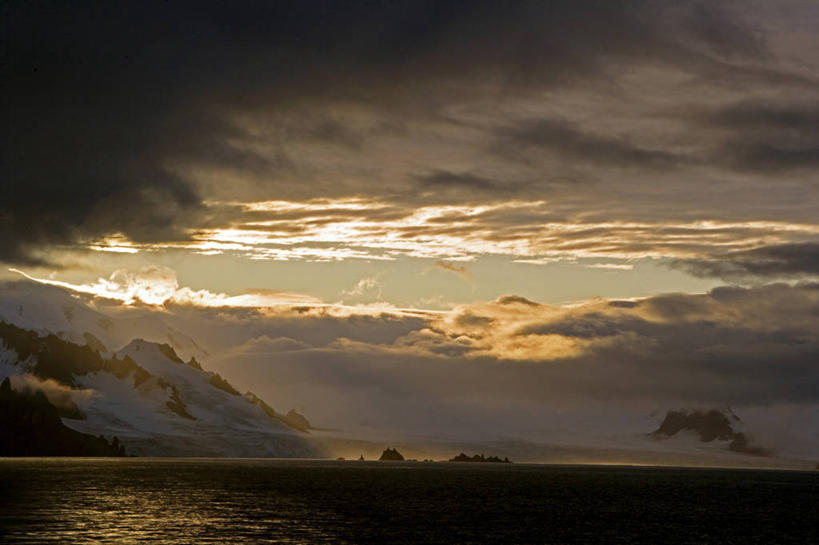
360 229
157 286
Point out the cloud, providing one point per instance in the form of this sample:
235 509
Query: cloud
443 180
368 288
570 143
536 232
157 286
612 266
266 345
515 299
513 366
792 260
774 135
732 345
696 347
461 270
761 116
773 158
63 397
189 104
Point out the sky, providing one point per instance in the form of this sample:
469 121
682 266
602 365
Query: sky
630 173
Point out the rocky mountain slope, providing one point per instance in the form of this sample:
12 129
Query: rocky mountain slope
30 426
145 394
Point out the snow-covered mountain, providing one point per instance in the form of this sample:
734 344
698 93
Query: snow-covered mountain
145 394
183 409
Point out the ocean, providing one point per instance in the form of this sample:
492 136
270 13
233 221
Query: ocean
204 501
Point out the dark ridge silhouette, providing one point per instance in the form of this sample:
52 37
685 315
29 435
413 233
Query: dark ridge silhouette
217 381
30 426
168 351
93 342
709 426
296 420
214 379
195 364
391 454
256 400
60 360
293 419
479 458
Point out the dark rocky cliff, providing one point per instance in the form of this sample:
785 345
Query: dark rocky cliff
31 426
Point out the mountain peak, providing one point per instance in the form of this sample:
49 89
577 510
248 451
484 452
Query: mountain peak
709 425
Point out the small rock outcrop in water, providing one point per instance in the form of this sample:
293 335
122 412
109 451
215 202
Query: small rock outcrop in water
479 458
31 426
391 454
708 425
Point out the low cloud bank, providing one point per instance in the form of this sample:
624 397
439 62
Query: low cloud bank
793 260
513 366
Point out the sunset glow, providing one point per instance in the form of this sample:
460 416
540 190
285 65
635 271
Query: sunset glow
409 271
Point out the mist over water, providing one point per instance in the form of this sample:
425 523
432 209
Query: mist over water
296 501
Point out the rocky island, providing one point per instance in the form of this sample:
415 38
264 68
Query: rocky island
479 458
391 455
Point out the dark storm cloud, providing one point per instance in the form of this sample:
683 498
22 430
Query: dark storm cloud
467 319
113 111
89 97
589 326
763 116
767 137
335 132
567 141
623 304
770 158
443 180
780 260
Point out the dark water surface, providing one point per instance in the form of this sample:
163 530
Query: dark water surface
275 501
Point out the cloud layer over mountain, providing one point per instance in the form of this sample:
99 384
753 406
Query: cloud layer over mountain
506 368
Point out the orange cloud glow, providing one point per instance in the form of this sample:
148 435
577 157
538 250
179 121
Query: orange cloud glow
360 229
